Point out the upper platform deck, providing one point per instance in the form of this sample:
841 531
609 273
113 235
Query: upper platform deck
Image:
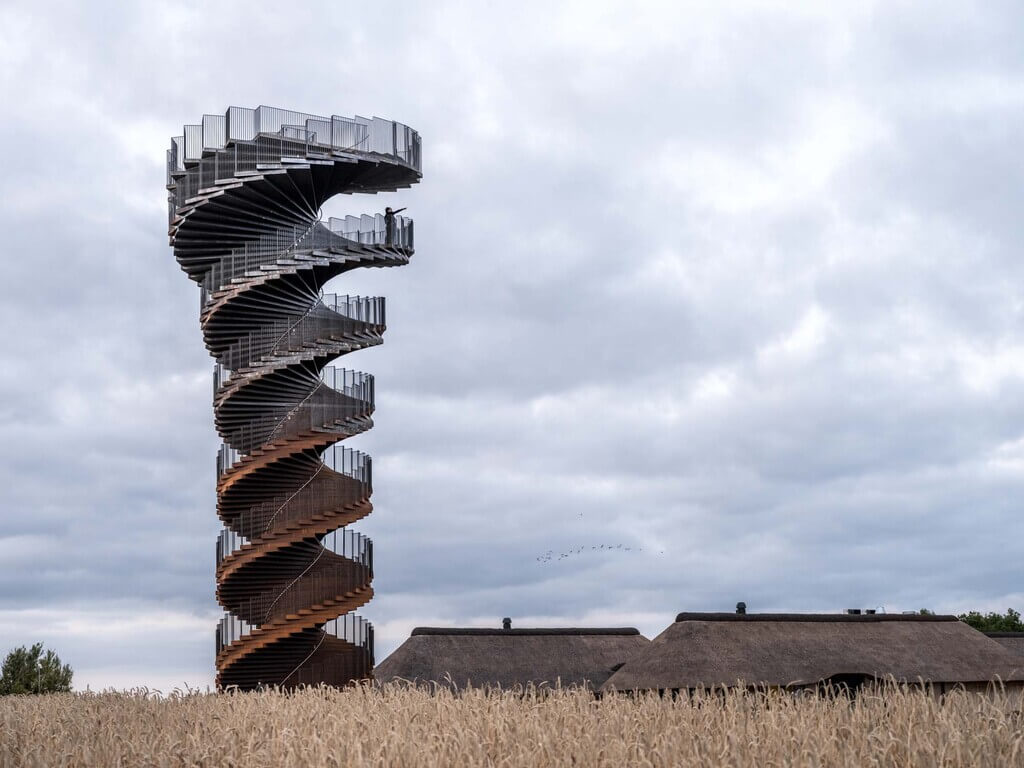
243 143
370 135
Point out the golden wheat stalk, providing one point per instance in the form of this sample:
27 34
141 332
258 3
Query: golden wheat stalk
397 725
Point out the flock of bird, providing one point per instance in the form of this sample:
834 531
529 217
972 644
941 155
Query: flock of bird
550 554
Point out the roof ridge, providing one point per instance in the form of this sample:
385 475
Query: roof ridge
814 617
526 631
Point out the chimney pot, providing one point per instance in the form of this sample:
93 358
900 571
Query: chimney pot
506 623
741 608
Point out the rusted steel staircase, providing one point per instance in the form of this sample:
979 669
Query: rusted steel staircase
245 193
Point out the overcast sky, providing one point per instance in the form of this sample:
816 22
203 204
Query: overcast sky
734 285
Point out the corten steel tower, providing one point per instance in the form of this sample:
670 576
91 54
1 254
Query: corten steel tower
246 189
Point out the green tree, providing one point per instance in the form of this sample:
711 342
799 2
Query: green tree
29 670
994 622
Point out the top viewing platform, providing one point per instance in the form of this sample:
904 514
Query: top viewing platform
244 145
374 135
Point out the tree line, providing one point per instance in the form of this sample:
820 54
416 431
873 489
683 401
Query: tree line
994 622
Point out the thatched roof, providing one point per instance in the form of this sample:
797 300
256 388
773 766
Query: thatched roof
1011 641
510 657
715 649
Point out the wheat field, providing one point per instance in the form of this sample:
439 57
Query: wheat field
398 726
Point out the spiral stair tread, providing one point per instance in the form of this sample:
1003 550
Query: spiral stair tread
283 537
270 173
295 553
241 377
292 624
349 497
382 258
336 645
337 407
274 452
292 468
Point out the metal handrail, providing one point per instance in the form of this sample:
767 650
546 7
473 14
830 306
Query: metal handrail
289 499
361 554
293 411
316 559
301 237
294 325
323 636
374 230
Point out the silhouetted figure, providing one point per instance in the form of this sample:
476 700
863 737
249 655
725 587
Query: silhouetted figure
390 229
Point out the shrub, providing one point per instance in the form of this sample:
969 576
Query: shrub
29 670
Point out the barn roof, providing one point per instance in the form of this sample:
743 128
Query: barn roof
1011 641
714 649
511 657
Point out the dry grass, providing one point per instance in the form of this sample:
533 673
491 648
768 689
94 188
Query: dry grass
394 726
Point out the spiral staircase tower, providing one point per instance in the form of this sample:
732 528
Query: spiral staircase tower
245 192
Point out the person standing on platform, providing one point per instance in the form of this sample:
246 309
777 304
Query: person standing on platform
390 230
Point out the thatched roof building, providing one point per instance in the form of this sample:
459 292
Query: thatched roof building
728 649
510 657
1011 641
